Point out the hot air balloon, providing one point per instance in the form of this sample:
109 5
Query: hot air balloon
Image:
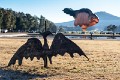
83 17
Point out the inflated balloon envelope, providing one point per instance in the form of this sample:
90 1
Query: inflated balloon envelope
83 17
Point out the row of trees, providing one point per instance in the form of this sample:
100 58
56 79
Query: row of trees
19 21
112 28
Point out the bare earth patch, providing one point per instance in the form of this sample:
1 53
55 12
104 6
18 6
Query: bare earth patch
104 62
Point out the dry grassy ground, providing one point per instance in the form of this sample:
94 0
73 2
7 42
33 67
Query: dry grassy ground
104 63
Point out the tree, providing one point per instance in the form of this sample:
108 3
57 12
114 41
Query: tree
111 28
18 21
1 17
42 24
12 20
52 27
61 29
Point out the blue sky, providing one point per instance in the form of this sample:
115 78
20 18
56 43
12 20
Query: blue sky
52 9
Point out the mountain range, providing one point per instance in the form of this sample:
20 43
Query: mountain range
105 19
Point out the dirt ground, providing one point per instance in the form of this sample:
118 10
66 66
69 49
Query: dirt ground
104 62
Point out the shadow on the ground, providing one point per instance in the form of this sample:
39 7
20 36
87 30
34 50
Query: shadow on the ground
8 74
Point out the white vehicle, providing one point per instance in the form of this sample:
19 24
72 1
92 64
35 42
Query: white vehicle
4 30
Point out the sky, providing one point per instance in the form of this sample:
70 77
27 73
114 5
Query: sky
52 9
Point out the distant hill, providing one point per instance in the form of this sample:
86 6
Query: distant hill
105 19
106 16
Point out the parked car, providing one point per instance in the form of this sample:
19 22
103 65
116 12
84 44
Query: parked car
4 30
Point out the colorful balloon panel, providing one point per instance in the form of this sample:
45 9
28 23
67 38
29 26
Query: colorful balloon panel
81 19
